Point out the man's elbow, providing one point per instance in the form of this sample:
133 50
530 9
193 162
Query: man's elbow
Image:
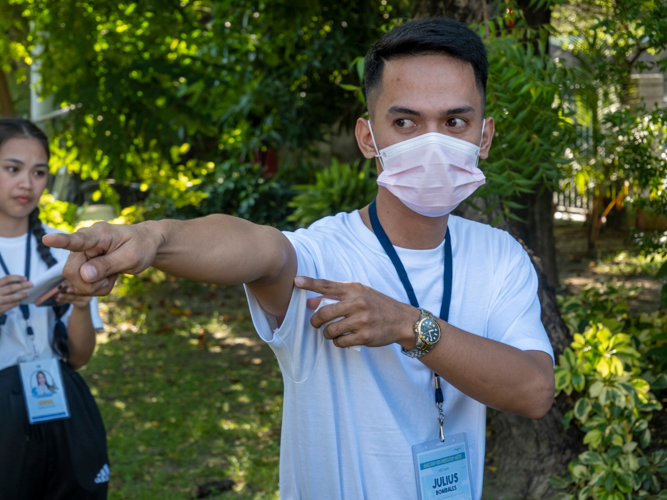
543 398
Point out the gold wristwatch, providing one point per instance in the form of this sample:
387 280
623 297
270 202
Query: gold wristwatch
427 331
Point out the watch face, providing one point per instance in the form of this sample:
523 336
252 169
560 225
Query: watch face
429 331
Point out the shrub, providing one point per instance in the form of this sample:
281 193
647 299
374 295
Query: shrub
59 214
613 372
341 187
239 189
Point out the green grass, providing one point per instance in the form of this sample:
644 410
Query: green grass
626 264
187 391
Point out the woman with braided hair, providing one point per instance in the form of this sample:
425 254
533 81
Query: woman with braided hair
63 456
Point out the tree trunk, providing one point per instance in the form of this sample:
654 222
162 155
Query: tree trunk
537 232
6 102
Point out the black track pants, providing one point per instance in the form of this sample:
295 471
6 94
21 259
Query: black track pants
64 459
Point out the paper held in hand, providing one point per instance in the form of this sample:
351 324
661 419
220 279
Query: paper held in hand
46 286
328 302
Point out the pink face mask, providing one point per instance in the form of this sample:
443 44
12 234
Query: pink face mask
431 173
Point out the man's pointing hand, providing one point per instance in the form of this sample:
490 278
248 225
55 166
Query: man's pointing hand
101 252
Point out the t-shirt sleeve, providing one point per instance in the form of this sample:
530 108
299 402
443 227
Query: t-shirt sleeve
95 314
294 343
515 314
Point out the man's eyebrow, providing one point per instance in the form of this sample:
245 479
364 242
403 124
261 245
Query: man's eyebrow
461 110
400 110
13 160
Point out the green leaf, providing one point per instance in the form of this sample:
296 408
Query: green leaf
663 296
625 481
591 458
603 367
578 381
584 493
616 365
662 272
630 446
645 438
660 382
610 482
558 483
606 396
563 378
596 388
579 340
567 418
580 472
660 353
582 409
617 397
593 438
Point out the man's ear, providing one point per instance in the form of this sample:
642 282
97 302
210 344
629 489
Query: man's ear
364 139
489 130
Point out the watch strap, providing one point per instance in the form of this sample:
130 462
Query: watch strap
422 347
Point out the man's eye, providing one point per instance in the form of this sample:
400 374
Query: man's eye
40 173
456 122
405 123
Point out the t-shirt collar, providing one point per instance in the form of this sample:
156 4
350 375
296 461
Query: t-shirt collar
368 238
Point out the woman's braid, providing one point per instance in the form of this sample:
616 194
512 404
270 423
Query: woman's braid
35 225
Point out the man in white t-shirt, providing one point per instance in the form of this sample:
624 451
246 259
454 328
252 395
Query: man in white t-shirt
358 422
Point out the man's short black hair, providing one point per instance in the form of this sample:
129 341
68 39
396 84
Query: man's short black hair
426 36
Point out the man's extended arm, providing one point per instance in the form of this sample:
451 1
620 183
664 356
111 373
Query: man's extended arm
215 249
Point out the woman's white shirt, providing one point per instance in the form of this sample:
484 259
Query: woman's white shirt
15 345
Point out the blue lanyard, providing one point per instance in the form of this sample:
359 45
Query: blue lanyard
25 310
403 275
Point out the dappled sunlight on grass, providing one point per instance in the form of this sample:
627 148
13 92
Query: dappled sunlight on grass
188 392
626 264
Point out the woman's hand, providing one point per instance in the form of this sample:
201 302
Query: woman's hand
11 293
67 295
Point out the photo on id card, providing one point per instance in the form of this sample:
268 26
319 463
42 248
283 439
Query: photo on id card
43 391
442 470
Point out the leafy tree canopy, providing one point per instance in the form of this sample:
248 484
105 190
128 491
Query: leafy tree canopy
152 85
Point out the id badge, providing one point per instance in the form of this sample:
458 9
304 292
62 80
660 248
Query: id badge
44 391
442 469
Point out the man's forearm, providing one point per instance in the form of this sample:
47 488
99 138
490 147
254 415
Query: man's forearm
496 374
229 251
218 249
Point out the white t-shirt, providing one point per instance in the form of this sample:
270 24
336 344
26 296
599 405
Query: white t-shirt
350 418
15 345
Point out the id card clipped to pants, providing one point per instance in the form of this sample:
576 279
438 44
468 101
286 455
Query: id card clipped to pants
442 469
44 391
